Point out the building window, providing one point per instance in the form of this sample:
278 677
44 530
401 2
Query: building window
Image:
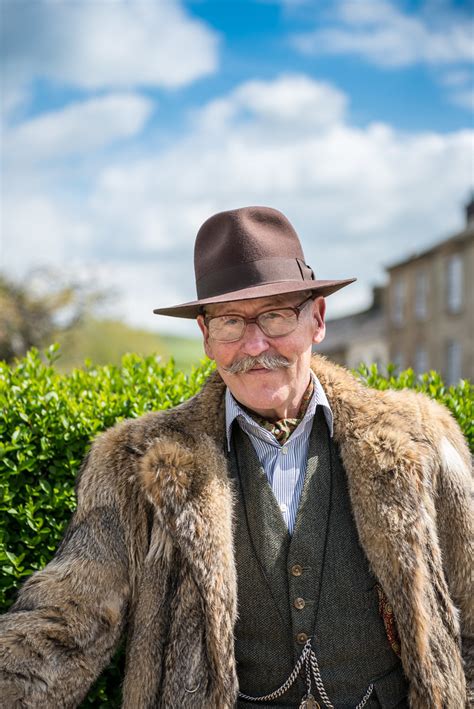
421 360
454 283
398 302
453 362
421 294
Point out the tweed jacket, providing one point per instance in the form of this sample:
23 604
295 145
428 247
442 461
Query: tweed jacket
149 552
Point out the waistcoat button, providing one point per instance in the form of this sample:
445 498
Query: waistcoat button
299 603
296 570
301 638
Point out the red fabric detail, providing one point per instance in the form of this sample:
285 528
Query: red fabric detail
388 617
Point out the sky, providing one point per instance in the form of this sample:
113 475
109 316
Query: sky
126 123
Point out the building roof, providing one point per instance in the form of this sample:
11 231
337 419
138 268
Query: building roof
368 324
462 236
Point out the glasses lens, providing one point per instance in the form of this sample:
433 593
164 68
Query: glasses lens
276 323
226 328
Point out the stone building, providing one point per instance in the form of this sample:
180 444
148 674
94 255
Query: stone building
430 307
423 318
360 337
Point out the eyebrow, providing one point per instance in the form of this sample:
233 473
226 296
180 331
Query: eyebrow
273 304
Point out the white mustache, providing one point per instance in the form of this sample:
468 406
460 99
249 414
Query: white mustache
264 361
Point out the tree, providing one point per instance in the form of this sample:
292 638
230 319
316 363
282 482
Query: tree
34 310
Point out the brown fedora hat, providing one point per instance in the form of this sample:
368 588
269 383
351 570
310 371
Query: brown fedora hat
248 253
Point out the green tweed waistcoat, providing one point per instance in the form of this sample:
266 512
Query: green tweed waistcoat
316 583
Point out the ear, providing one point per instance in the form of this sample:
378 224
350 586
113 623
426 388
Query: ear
205 336
319 312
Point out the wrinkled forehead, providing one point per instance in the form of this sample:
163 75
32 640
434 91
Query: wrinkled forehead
255 305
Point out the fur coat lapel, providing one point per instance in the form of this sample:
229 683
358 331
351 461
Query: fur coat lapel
185 476
390 463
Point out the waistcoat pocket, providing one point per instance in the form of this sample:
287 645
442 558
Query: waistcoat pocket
391 689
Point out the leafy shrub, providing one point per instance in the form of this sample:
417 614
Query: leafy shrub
47 420
459 399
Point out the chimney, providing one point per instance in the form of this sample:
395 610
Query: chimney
470 210
378 294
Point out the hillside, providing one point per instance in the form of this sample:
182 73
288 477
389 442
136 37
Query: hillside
106 341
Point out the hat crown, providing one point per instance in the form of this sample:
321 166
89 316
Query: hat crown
249 235
251 252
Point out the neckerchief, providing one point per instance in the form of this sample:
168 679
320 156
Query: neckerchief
283 428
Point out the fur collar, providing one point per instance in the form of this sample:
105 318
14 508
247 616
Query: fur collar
390 463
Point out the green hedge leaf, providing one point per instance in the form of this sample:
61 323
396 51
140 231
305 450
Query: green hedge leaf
48 420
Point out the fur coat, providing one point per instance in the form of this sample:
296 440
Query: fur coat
149 552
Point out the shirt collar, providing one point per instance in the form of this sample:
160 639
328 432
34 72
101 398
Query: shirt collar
233 410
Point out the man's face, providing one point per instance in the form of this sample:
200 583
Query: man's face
273 393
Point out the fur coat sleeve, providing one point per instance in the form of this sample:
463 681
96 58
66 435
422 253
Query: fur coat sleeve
75 608
410 480
454 514
409 475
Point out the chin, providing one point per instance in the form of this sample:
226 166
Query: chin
262 398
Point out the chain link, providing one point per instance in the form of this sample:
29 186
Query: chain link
309 660
318 681
286 685
308 676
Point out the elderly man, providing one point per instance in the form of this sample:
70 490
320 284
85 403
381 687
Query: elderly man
287 537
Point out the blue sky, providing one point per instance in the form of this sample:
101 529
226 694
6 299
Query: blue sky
126 123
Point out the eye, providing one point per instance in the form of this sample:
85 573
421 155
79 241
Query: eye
229 320
275 315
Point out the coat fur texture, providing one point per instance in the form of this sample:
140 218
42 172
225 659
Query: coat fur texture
149 552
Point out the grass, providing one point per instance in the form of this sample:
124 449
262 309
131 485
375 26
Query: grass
106 341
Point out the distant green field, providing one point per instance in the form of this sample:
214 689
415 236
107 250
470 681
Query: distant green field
106 341
186 352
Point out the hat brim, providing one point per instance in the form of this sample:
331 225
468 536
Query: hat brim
194 308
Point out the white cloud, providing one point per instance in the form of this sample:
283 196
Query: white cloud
463 98
292 101
14 99
77 129
37 230
380 32
140 287
460 85
457 77
113 44
359 197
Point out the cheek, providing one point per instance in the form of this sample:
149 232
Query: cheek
300 343
303 350
223 355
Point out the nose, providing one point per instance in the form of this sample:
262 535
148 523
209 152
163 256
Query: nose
254 341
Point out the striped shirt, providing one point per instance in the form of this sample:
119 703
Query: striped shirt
285 465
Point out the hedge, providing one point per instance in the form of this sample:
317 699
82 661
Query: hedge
47 421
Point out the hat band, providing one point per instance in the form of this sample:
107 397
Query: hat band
253 273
